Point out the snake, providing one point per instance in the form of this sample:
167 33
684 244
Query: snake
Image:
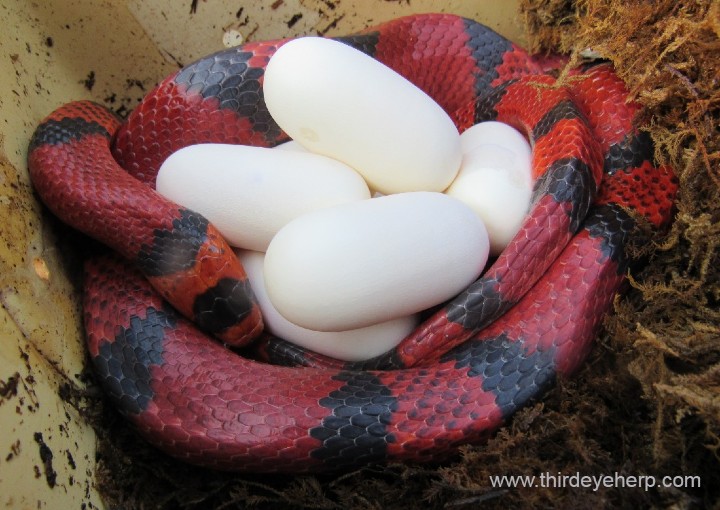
171 320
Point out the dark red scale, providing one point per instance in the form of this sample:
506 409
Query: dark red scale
601 94
418 51
184 109
481 357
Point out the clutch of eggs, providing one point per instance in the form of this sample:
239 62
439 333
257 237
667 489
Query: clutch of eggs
342 273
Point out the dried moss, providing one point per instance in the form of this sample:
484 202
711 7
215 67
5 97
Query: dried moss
667 330
648 400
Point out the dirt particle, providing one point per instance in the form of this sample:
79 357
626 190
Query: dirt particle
89 82
123 111
70 459
9 387
332 25
14 451
294 20
46 456
134 82
49 42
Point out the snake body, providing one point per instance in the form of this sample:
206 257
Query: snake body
463 372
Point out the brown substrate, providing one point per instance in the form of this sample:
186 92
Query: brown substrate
647 401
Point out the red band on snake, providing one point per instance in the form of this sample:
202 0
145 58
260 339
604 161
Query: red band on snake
465 370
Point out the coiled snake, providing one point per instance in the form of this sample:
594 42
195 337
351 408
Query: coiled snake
461 374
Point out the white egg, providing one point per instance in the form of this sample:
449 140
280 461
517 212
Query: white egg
291 145
249 193
495 179
496 133
352 345
339 102
361 263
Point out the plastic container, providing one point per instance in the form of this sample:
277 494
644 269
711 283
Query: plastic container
55 51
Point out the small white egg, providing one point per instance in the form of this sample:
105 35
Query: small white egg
496 133
249 193
361 263
495 179
352 345
337 101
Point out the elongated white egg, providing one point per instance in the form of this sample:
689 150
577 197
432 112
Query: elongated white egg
337 101
291 145
352 345
495 179
249 193
361 263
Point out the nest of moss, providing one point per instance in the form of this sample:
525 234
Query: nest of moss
647 401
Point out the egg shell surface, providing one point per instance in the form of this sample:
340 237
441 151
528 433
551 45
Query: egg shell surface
361 263
496 133
495 180
249 193
352 345
291 145
337 101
